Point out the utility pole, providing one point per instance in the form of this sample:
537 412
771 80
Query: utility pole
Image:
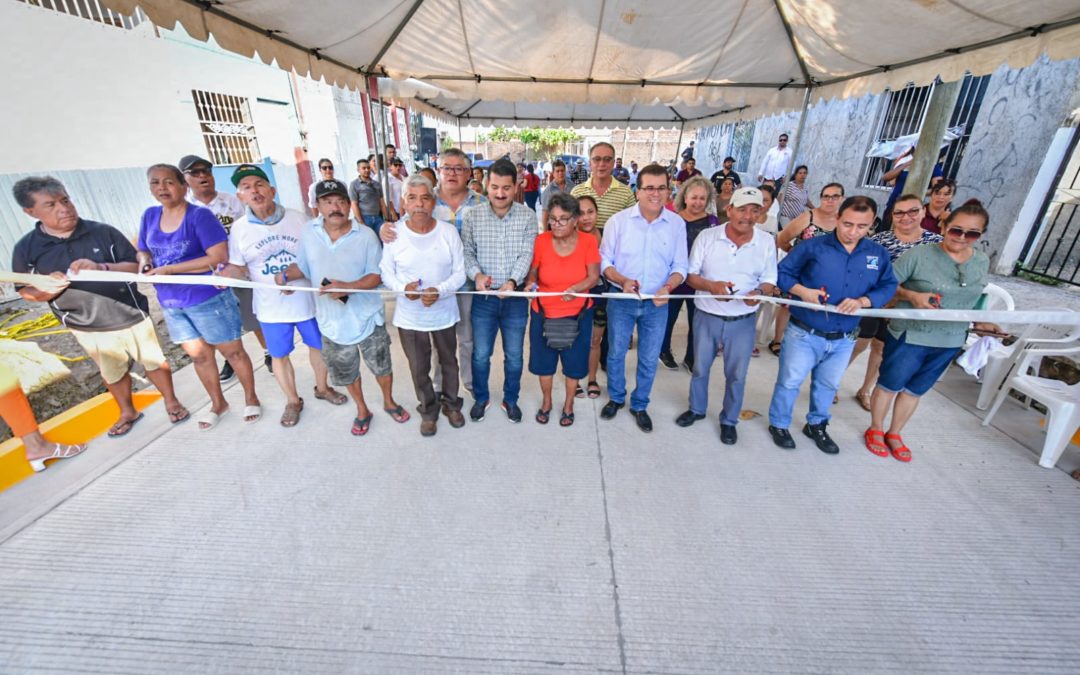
928 147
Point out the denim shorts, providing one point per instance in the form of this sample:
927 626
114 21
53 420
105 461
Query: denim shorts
280 336
216 320
544 360
912 369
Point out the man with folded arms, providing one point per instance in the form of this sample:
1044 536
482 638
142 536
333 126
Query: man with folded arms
845 269
735 258
643 251
262 244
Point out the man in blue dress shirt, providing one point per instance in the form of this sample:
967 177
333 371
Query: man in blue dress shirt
643 251
844 269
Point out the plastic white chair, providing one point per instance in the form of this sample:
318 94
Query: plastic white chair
998 299
1062 401
1000 364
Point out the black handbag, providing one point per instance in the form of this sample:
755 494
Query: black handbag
560 334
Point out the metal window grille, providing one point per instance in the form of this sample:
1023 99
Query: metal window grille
227 128
92 10
903 113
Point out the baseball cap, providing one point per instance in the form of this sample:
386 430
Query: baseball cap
330 187
188 161
245 170
746 195
397 161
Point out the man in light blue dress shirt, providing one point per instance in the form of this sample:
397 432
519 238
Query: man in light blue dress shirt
643 252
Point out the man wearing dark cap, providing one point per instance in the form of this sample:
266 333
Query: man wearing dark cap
202 191
338 252
396 181
717 179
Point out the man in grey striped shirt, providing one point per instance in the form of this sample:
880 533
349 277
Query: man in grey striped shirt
498 238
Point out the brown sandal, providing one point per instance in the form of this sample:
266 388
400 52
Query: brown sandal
332 395
864 400
291 416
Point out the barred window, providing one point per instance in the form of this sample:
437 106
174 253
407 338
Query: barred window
903 113
227 128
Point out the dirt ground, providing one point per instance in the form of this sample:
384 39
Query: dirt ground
85 381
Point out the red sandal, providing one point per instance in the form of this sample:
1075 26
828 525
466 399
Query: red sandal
903 453
874 445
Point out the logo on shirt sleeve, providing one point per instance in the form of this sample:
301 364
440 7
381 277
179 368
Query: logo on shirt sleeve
872 262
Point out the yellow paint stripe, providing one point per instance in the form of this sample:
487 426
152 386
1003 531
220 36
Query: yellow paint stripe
80 424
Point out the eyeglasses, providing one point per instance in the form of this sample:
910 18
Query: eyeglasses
783 140
453 169
565 220
968 235
832 198
604 160
198 172
326 167
653 188
910 213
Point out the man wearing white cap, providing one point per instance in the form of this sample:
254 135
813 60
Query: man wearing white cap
735 258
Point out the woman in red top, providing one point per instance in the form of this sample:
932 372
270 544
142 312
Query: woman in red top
532 187
937 210
564 261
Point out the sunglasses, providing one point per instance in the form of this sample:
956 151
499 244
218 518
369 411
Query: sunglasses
198 172
967 235
326 167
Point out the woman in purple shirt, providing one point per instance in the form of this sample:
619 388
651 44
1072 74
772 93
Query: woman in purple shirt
182 238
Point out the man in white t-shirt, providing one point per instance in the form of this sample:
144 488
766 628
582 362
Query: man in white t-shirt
396 181
425 263
202 191
262 244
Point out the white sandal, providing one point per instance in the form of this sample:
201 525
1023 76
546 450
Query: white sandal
59 452
211 419
252 411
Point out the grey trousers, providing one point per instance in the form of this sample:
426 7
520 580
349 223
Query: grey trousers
737 339
418 350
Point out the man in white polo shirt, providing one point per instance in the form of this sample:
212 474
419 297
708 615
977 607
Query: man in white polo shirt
263 243
735 258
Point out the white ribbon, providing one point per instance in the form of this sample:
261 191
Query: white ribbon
1056 318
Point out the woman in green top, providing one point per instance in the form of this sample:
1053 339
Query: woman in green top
949 275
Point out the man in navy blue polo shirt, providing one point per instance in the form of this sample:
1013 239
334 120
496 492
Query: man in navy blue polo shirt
844 269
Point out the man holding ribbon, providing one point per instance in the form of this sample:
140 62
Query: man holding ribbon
844 269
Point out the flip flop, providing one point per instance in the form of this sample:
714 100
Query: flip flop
878 447
178 416
361 426
903 453
211 419
542 416
122 427
291 416
332 395
400 415
252 411
566 419
59 452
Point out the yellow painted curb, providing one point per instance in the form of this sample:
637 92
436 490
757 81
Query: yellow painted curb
80 424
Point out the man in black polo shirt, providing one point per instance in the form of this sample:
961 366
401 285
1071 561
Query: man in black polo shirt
111 320
728 171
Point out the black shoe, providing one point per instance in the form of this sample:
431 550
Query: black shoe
226 373
269 361
689 365
513 412
818 433
668 361
688 418
478 410
644 422
782 438
611 408
728 435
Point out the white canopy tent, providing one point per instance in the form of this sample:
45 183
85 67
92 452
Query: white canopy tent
626 62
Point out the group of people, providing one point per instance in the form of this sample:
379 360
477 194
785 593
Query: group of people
457 261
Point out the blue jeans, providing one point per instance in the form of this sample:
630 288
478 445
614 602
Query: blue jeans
803 354
737 338
491 315
673 316
374 222
650 320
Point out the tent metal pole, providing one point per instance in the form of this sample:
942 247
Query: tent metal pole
380 140
461 143
678 146
798 137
